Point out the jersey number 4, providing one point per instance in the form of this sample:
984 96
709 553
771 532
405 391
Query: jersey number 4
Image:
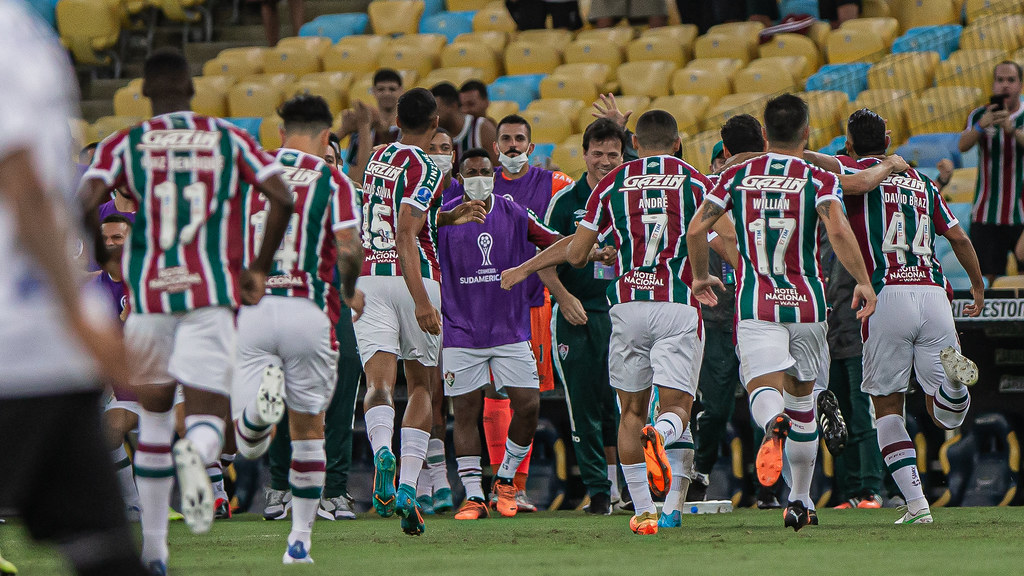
759 230
896 239
286 256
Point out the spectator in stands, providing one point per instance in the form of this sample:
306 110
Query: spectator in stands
374 125
998 128
838 11
272 21
466 131
705 14
607 13
473 98
945 167
533 14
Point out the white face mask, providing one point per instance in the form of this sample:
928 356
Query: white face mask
513 165
442 161
478 187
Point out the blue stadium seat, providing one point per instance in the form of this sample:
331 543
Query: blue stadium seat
451 24
962 211
46 9
521 89
250 125
541 154
787 7
942 39
925 150
431 7
849 78
336 26
836 146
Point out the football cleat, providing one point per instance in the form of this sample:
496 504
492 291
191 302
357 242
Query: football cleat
958 368
871 502
156 568
443 500
194 484
922 517
769 456
848 505
278 504
221 509
384 482
812 517
523 502
671 520
472 509
795 516
659 473
831 423
296 554
270 397
426 503
644 524
408 510
506 492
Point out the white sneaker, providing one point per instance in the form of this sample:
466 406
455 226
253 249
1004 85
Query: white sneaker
922 517
958 367
278 503
270 397
194 483
296 554
337 508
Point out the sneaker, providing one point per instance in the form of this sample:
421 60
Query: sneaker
506 504
600 505
767 499
871 502
336 508
769 456
195 487
848 505
132 512
221 509
673 519
296 554
156 568
443 500
472 509
958 367
408 510
922 517
278 504
523 502
384 482
659 473
644 524
831 423
623 506
796 516
812 517
698 487
270 397
426 503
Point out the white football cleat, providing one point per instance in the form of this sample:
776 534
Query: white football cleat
270 397
922 517
296 554
958 367
196 490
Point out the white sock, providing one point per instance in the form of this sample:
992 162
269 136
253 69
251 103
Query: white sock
380 427
414 453
306 480
801 446
613 477
252 438
901 459
680 482
670 426
206 432
951 403
469 473
216 474
514 456
765 403
424 486
154 468
636 480
125 478
437 464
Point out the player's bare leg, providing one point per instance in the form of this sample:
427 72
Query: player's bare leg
633 418
306 479
525 404
672 421
381 372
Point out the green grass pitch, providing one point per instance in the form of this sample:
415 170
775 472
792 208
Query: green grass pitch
986 541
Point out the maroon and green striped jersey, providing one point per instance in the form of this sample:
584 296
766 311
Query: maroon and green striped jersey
645 205
895 225
998 198
324 203
186 173
773 200
399 174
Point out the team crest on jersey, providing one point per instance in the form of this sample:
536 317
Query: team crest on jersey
423 195
653 182
778 166
449 378
179 140
383 171
563 351
295 176
763 183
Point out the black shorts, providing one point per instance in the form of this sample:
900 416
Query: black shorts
992 242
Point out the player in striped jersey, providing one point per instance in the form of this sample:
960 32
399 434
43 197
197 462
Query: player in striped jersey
287 352
895 225
644 207
184 271
776 201
467 131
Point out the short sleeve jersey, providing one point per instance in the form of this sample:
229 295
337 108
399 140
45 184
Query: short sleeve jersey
186 173
999 198
645 206
773 200
399 174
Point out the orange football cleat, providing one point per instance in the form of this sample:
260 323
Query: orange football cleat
506 492
644 524
769 456
472 510
659 473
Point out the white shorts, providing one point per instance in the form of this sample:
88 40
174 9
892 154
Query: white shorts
470 369
909 328
388 323
794 348
657 343
297 336
195 348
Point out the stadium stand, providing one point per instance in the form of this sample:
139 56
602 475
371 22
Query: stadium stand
336 26
450 24
394 17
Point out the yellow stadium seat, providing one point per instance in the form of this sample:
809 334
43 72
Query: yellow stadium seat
357 56
599 73
129 101
890 105
432 43
687 109
466 5
969 96
270 133
793 45
559 86
594 51
854 46
763 81
917 13
525 57
1000 31
1008 282
568 157
969 68
291 59
697 149
797 66
90 30
875 9
818 32
620 36
906 71
962 186
280 79
635 104
362 91
683 34
651 78
253 98
548 126
463 55
408 58
656 48
237 62
885 28
108 125
331 86
712 45
393 17
498 109
557 39
742 31
211 97
369 42
731 105
827 122
313 44
491 39
976 9
456 76
575 110
941 109
701 82
726 67
80 132
188 11
494 17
